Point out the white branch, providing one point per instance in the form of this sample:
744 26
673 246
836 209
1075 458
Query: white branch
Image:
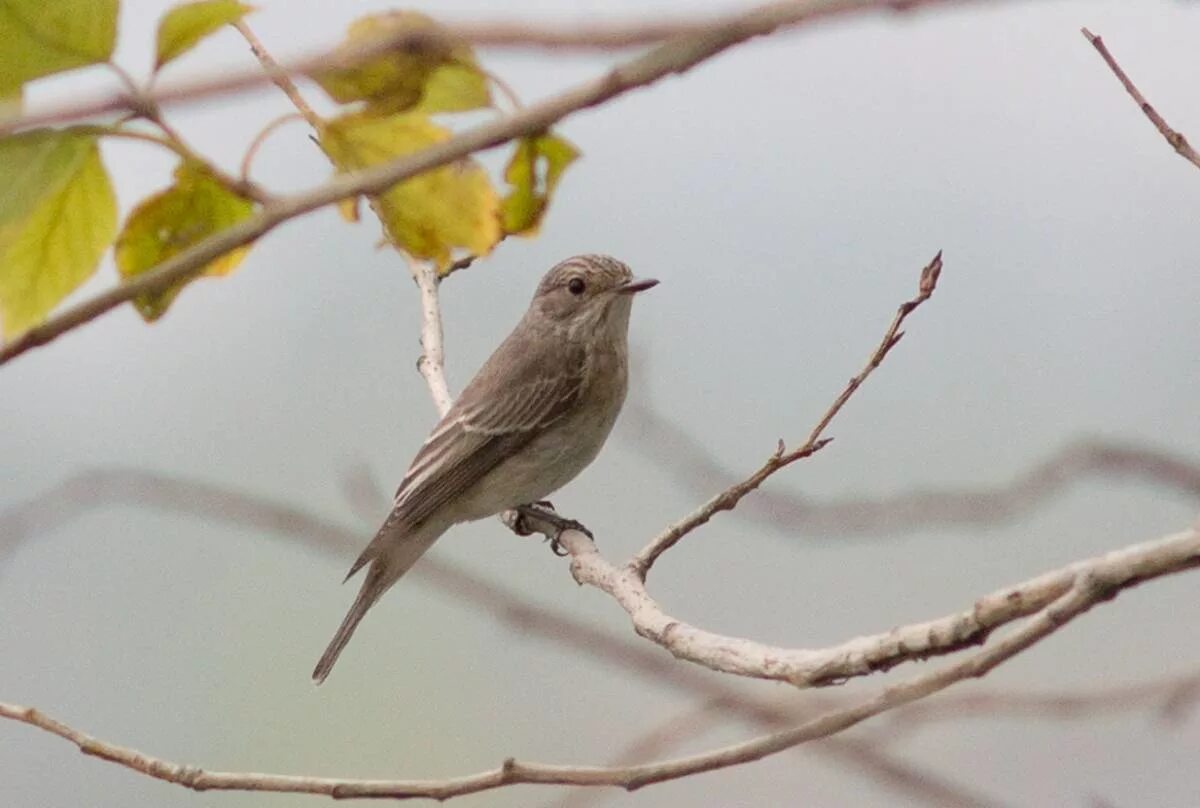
431 363
1075 590
817 667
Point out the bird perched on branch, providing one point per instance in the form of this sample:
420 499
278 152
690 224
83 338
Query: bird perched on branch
534 416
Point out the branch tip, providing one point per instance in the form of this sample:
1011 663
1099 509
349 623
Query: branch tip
930 275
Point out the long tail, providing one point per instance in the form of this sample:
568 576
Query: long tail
386 568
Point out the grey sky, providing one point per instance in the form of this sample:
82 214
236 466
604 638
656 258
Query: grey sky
787 195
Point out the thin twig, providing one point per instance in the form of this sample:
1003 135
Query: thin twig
685 457
279 77
142 105
1169 697
592 35
729 498
431 363
238 185
865 757
1178 142
261 137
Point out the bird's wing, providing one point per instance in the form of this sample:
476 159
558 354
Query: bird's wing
493 418
523 388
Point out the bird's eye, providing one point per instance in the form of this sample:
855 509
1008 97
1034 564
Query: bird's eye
576 286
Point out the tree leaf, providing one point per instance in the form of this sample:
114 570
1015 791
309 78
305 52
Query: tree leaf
58 214
12 100
431 214
533 173
393 81
182 28
195 207
457 86
41 37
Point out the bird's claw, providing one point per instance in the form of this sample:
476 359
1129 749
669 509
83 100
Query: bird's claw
545 510
561 525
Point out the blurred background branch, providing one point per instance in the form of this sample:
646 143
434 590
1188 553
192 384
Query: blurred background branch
687 460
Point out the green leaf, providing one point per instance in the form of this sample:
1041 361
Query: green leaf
58 215
41 37
457 86
393 81
195 207
433 213
182 28
533 173
11 101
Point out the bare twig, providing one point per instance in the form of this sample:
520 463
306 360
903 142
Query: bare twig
864 655
730 497
1178 142
792 514
431 363
1087 586
1170 698
279 77
592 35
92 490
865 757
261 137
240 185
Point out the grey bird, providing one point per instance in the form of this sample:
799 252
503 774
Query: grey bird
535 415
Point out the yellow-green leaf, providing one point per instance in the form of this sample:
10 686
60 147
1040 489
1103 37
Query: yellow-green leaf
58 215
182 28
195 207
41 37
395 80
433 213
12 100
457 86
348 209
533 173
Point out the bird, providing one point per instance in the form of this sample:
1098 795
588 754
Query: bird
534 416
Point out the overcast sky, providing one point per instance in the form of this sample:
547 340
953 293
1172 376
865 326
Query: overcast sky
787 194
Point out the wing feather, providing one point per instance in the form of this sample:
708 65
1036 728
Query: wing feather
475 438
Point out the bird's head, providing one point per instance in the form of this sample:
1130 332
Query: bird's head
588 293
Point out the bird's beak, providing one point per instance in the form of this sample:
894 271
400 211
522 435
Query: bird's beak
636 285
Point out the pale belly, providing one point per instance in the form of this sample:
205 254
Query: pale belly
550 461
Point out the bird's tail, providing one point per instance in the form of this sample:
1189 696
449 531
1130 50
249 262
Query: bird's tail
386 568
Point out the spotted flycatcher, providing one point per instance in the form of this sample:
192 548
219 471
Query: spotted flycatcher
534 416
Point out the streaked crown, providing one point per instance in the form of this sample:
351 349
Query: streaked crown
599 272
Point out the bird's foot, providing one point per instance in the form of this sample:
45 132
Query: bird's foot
543 511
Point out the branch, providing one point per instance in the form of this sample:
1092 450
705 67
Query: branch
589 36
94 490
865 655
729 498
1178 142
1088 586
866 757
278 76
689 461
1171 697
431 363
674 56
